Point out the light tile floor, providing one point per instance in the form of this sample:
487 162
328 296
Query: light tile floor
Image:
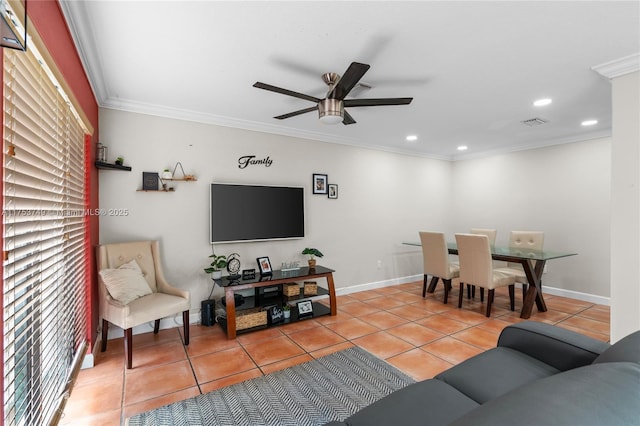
421 337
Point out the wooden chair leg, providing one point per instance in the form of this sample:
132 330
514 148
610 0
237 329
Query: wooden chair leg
128 347
490 295
156 326
185 321
524 291
447 287
460 295
512 297
105 330
432 285
468 291
424 286
481 294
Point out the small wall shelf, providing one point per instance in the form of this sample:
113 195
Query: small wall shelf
109 166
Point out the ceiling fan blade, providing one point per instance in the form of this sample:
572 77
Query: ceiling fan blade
294 113
285 92
348 119
376 102
350 78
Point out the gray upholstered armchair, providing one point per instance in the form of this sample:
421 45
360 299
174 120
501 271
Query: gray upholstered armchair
133 290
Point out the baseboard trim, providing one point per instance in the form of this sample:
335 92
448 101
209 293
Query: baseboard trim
378 284
586 297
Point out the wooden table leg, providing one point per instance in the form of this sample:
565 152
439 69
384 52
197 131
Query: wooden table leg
534 292
230 307
332 295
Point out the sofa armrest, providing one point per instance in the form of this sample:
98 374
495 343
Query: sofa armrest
555 346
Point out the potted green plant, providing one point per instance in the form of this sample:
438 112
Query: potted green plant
166 174
286 310
312 253
217 264
120 161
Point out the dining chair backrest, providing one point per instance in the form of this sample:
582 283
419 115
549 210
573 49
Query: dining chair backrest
474 254
531 240
490 233
435 254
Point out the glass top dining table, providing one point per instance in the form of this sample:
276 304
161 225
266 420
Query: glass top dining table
532 262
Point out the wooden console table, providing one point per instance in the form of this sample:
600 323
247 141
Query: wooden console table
277 277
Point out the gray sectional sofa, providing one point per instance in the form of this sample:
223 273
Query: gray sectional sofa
538 374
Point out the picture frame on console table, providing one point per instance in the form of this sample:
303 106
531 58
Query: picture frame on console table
305 309
320 183
264 265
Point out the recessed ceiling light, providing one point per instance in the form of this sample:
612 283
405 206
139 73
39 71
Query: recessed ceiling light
589 122
542 102
462 148
412 138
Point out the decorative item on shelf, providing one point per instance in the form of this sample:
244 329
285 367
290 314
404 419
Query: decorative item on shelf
120 161
250 318
265 265
286 311
291 289
310 288
275 314
319 183
233 266
216 265
312 253
305 309
248 274
184 175
101 153
150 181
290 266
333 191
166 174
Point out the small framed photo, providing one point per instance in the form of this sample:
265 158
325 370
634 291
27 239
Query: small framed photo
265 265
319 184
333 191
305 309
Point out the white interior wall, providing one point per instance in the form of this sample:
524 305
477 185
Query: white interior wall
563 190
384 199
625 196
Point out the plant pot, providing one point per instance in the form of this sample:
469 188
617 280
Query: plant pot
287 314
312 263
167 175
216 275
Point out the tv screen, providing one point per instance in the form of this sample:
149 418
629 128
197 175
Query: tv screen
255 212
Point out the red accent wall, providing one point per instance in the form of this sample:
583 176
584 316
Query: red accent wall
47 17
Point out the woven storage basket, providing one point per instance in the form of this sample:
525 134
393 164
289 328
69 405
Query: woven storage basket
310 288
291 289
249 318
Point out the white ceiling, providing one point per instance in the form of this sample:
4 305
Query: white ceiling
473 68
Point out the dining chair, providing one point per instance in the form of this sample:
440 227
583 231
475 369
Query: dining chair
491 234
435 255
476 268
530 240
133 291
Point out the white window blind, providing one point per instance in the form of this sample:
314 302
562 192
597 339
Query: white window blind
45 244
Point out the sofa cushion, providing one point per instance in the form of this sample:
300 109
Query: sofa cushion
599 394
429 402
494 373
627 349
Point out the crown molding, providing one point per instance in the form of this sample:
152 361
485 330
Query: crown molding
619 67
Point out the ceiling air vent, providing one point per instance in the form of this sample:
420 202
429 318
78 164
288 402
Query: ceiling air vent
534 122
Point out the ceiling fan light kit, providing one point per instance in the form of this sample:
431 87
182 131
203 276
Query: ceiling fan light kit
330 111
331 108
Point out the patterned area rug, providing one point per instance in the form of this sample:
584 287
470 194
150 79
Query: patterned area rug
329 388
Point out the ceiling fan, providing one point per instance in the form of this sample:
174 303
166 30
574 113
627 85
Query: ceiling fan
332 108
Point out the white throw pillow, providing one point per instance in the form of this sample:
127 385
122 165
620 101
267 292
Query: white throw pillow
126 283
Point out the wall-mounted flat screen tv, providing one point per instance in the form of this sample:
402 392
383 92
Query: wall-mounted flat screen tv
241 213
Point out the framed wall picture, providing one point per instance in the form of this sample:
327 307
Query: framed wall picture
305 309
265 265
319 184
333 191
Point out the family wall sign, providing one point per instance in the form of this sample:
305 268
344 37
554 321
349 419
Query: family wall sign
250 160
